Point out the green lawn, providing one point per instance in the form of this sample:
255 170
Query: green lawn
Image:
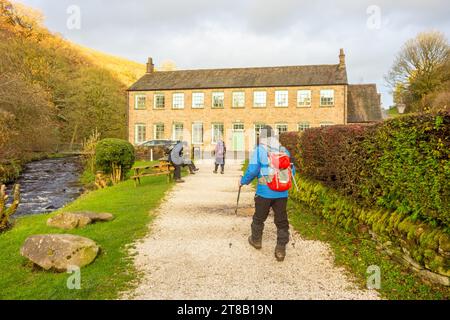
113 269
356 254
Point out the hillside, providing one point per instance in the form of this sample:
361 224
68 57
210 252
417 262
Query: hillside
125 70
54 93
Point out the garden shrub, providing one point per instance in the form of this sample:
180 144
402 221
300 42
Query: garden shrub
112 155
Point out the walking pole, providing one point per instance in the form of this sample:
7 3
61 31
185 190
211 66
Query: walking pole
237 203
295 180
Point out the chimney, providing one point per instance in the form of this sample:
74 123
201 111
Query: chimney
150 66
341 59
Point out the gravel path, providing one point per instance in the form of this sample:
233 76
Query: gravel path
197 249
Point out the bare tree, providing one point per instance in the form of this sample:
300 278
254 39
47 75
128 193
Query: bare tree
419 68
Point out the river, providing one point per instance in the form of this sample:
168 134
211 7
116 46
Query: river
48 185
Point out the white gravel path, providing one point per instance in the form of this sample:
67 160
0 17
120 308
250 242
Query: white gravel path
197 249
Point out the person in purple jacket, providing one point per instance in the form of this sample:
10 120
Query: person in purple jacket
266 198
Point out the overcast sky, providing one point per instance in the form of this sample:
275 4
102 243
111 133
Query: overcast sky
226 33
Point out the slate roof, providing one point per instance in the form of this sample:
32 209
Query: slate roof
242 78
363 103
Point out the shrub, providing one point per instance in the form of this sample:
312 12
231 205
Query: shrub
401 164
290 140
114 156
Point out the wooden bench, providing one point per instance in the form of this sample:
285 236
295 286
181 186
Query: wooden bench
162 168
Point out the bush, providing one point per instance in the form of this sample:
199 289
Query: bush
401 164
112 155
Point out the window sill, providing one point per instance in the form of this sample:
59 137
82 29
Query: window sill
159 108
304 107
331 106
139 108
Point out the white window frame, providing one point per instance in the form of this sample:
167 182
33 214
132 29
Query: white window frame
178 100
174 131
326 124
277 125
155 126
282 98
195 96
260 124
218 94
240 95
257 95
196 142
155 99
137 126
302 126
136 98
215 138
301 99
325 94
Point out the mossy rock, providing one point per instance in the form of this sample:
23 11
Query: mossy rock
444 243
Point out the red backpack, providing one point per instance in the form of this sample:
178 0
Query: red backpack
280 172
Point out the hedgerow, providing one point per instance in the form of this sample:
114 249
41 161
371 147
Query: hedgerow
401 164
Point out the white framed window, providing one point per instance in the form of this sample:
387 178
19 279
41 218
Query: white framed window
259 99
178 101
159 101
302 126
139 133
327 98
217 132
218 99
177 131
257 131
197 133
140 101
239 99
304 98
281 128
281 98
326 124
238 126
198 100
158 131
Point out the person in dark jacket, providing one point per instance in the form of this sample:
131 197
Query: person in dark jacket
219 154
178 161
265 197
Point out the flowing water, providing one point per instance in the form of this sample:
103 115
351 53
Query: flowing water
48 185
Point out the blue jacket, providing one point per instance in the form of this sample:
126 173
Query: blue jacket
258 166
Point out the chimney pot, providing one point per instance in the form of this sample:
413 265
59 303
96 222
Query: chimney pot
150 66
341 58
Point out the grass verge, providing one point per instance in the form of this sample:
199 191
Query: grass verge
356 254
112 271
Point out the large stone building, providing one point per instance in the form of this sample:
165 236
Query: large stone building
198 106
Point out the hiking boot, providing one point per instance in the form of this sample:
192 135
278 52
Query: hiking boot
280 253
254 243
179 181
222 172
215 172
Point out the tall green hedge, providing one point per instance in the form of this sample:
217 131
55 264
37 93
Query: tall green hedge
400 164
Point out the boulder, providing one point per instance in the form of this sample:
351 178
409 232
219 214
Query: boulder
59 251
72 220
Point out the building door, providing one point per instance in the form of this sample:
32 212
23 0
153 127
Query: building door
238 142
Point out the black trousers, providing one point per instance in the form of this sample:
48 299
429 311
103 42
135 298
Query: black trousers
177 172
262 209
222 167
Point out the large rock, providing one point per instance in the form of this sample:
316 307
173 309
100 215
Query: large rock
72 220
59 251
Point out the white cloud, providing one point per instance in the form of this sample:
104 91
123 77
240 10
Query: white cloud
223 33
